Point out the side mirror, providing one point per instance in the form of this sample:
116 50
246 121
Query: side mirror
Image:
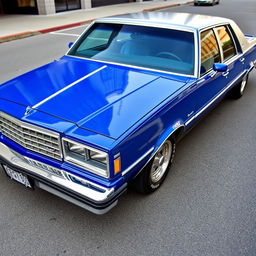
70 44
220 67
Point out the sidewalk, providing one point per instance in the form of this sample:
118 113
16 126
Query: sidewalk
18 26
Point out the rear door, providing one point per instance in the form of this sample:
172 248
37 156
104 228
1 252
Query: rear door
231 55
208 85
217 45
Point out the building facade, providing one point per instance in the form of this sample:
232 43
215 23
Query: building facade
44 7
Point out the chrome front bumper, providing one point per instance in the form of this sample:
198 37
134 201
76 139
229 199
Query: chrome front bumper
81 192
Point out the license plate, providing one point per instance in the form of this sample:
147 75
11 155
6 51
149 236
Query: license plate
19 177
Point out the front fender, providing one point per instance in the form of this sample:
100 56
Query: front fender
178 125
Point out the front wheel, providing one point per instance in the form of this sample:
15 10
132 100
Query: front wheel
155 172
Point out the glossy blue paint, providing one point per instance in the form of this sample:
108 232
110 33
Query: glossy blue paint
220 67
105 100
116 118
34 86
122 110
157 126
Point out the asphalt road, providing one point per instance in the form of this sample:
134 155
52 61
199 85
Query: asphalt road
207 205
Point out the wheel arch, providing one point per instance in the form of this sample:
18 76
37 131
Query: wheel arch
174 131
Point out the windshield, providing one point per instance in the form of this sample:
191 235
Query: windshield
150 47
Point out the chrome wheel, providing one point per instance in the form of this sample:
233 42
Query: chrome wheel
243 84
154 173
161 162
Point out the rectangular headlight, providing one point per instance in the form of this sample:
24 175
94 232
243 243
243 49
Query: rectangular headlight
91 159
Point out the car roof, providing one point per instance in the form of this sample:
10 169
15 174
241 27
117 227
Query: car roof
186 20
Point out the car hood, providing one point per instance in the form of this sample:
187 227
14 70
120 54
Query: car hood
103 98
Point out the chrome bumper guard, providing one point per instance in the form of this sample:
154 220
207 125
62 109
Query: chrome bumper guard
81 192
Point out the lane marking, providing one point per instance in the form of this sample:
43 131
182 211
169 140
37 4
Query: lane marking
67 87
63 34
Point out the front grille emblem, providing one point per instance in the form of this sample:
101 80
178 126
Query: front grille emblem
28 110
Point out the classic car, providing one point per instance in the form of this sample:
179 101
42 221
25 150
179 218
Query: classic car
208 2
109 112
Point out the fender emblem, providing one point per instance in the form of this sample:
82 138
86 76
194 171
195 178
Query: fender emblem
190 113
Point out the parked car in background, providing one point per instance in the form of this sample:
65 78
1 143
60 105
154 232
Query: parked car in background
111 111
206 2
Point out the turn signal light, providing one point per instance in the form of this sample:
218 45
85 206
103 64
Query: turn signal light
117 165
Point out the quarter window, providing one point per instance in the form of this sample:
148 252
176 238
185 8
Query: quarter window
227 43
210 53
96 40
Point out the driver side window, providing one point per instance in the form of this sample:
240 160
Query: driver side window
210 52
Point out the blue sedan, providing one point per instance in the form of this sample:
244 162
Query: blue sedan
110 112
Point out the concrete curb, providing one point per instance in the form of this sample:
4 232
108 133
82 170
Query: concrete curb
51 29
18 36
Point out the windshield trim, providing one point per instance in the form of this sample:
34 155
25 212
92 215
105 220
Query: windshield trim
143 23
127 22
131 66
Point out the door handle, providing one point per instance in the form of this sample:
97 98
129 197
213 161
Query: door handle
242 59
225 73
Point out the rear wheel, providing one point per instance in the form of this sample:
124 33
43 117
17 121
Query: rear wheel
155 172
238 91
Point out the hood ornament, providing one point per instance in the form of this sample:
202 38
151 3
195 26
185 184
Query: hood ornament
28 110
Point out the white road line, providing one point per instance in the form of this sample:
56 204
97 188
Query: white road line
63 34
67 87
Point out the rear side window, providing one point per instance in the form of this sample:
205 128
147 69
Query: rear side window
210 53
227 43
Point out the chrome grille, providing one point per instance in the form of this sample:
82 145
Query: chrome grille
31 137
